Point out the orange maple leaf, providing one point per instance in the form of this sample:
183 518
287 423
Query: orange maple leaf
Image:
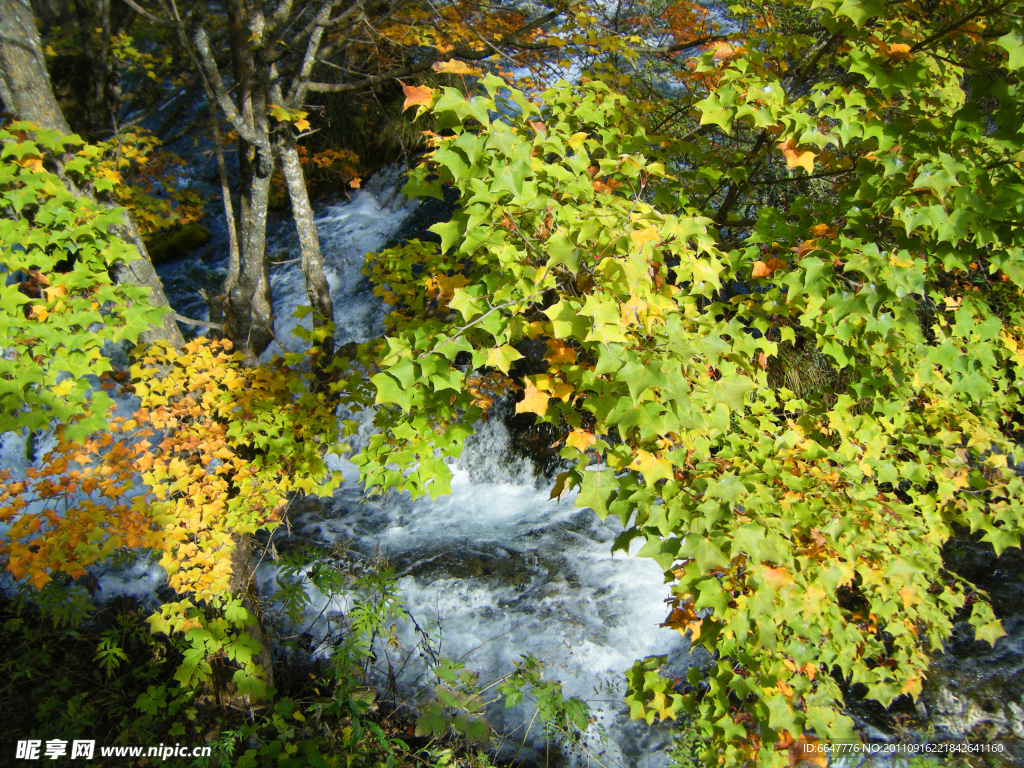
580 440
559 352
824 230
898 51
534 401
723 51
796 157
766 269
417 95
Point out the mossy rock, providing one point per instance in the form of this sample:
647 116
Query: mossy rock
166 247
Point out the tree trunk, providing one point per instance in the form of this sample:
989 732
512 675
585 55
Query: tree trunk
248 309
25 88
27 93
317 289
243 584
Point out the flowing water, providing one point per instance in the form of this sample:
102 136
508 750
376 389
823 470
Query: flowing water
497 569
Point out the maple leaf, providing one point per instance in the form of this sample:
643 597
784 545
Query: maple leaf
534 401
807 751
795 157
648 235
33 162
454 67
446 286
807 246
580 440
354 184
824 230
633 310
723 51
302 124
652 467
559 352
415 95
898 52
766 269
775 577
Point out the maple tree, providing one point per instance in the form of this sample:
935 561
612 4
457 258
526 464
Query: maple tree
791 328
779 302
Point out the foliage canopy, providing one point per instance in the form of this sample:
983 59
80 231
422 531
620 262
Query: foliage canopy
799 518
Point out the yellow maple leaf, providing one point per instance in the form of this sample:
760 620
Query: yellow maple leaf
580 440
898 51
454 67
796 157
777 578
534 401
647 235
632 310
652 467
38 312
723 51
416 95
446 286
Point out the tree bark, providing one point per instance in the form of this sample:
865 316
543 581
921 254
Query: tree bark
243 584
246 299
317 289
27 93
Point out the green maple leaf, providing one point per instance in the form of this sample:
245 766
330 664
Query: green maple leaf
705 551
730 391
861 10
1013 44
567 321
781 715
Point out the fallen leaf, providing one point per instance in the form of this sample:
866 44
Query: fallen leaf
795 157
354 184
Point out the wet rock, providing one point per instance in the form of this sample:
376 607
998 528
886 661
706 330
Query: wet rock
171 246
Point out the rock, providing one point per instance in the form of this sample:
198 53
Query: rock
166 247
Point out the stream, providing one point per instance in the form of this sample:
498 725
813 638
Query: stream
497 569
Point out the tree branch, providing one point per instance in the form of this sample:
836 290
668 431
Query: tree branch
202 43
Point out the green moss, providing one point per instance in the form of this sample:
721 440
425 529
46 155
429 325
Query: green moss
171 246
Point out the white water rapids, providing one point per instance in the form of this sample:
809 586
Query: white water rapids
493 571
497 570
